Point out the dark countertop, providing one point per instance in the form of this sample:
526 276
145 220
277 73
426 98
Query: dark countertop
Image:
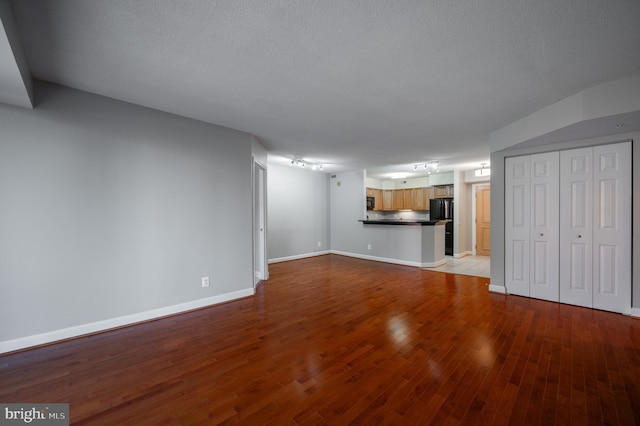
409 222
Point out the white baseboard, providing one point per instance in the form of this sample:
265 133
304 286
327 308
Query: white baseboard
497 288
635 312
463 254
298 256
385 259
99 326
433 264
361 256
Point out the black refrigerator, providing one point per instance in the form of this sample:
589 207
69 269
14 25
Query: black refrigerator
442 209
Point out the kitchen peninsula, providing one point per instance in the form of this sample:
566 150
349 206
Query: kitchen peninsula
421 242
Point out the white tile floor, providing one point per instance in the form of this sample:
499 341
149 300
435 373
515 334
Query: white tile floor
469 265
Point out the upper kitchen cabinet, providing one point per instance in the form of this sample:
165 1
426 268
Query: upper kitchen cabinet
387 199
408 198
443 191
442 184
402 199
399 199
409 194
405 199
421 198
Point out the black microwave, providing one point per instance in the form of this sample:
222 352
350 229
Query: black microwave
371 203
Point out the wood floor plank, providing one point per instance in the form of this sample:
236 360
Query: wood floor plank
337 340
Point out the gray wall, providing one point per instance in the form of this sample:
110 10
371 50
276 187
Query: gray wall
396 244
108 209
347 193
305 207
297 212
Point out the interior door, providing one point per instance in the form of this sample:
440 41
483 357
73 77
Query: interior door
595 241
545 226
517 227
576 221
483 220
612 227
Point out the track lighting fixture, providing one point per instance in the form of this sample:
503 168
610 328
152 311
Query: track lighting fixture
430 166
301 163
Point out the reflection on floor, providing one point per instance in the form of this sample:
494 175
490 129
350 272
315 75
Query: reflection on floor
469 265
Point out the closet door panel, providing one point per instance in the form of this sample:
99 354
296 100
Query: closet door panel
612 227
544 226
517 225
576 189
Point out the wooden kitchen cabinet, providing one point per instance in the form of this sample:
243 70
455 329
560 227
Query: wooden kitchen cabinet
408 199
428 195
398 199
421 198
443 191
387 199
417 199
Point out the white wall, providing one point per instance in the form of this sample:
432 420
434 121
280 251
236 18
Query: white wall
112 213
445 178
297 213
463 216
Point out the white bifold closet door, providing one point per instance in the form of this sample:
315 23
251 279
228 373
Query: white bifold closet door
595 223
545 226
517 224
532 226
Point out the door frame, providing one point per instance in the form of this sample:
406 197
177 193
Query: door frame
259 215
474 190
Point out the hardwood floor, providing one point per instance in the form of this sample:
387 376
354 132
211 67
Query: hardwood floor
335 340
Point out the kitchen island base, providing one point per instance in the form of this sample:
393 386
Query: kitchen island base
414 243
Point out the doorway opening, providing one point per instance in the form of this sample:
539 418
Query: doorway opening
482 222
259 223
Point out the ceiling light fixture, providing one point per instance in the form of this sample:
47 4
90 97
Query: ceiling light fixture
482 171
429 167
302 164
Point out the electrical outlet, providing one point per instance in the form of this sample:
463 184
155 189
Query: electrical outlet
319 244
368 246
205 282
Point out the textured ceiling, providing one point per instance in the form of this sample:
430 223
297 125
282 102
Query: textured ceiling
359 84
